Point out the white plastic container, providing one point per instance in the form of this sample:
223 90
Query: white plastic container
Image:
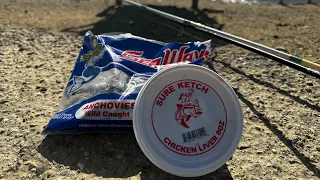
187 120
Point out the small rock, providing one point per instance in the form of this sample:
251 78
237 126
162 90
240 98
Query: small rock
282 24
309 83
80 165
49 173
58 81
118 156
65 173
318 149
276 36
3 101
22 49
86 153
308 136
33 170
292 178
28 66
309 90
40 170
257 128
25 11
290 127
259 152
243 147
293 162
279 48
274 165
31 165
250 76
43 89
274 151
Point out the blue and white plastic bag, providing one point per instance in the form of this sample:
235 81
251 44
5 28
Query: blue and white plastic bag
107 77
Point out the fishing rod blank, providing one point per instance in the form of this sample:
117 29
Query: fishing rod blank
281 57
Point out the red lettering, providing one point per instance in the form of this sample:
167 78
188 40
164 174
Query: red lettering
201 53
117 105
135 59
196 54
178 149
87 106
206 145
186 84
96 105
181 52
135 53
194 149
159 103
188 57
198 86
213 140
180 85
110 105
155 62
126 105
173 56
103 105
166 92
172 144
171 88
183 149
206 55
221 123
205 89
167 53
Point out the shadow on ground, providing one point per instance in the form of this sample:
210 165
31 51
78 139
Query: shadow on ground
108 155
148 25
268 84
274 129
267 121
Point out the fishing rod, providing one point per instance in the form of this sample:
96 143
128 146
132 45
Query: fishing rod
297 63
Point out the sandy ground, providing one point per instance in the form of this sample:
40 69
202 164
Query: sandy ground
40 41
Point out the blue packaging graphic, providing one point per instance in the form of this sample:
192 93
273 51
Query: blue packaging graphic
108 75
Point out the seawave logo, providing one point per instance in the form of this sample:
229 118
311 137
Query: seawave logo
189 117
171 56
187 108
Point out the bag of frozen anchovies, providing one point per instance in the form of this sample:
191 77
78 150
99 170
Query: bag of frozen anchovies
107 77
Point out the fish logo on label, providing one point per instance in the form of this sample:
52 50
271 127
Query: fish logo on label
90 58
187 108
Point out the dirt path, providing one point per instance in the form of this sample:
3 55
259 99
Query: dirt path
280 105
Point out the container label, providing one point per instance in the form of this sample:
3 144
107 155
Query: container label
195 119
